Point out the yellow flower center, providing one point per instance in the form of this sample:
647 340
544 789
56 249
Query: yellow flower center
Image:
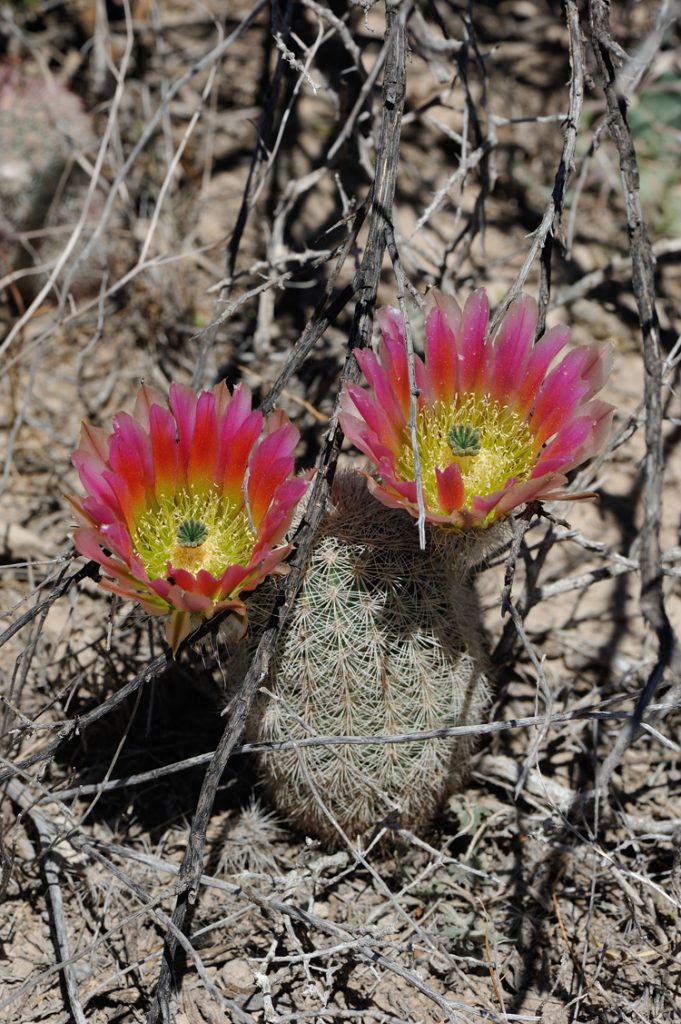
488 441
193 531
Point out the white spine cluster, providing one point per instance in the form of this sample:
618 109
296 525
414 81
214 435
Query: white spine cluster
383 640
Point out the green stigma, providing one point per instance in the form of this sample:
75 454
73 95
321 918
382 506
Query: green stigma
464 439
489 442
191 533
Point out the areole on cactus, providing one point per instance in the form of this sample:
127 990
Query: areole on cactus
496 426
188 501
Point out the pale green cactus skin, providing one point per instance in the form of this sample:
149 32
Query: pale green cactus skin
384 639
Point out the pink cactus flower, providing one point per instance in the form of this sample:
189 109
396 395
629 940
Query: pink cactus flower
496 426
187 506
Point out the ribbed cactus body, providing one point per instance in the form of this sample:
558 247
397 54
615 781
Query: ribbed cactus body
44 131
42 125
383 639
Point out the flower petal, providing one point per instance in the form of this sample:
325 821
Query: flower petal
441 358
178 629
204 448
448 306
165 452
516 493
147 396
182 402
496 391
472 349
382 387
156 470
94 443
130 458
450 489
512 348
354 400
237 438
560 394
270 464
393 354
541 356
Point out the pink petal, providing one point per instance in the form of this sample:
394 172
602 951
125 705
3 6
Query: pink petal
182 402
232 410
94 442
90 512
231 580
386 470
450 488
117 538
178 599
130 456
403 496
560 394
601 414
273 528
277 520
165 451
96 483
151 604
353 427
268 561
207 584
471 344
579 440
379 453
190 597
262 483
513 494
512 348
89 542
127 463
448 306
163 588
223 399
598 367
391 497
237 439
441 359
559 455
130 505
354 400
147 396
391 323
270 464
541 356
393 354
281 437
204 448
381 385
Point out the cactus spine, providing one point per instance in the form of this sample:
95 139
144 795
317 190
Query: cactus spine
384 639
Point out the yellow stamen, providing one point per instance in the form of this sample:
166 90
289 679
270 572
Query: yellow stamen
506 446
228 541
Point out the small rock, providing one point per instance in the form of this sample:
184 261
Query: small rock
237 977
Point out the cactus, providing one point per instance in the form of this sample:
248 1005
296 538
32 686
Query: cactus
384 639
251 842
43 126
